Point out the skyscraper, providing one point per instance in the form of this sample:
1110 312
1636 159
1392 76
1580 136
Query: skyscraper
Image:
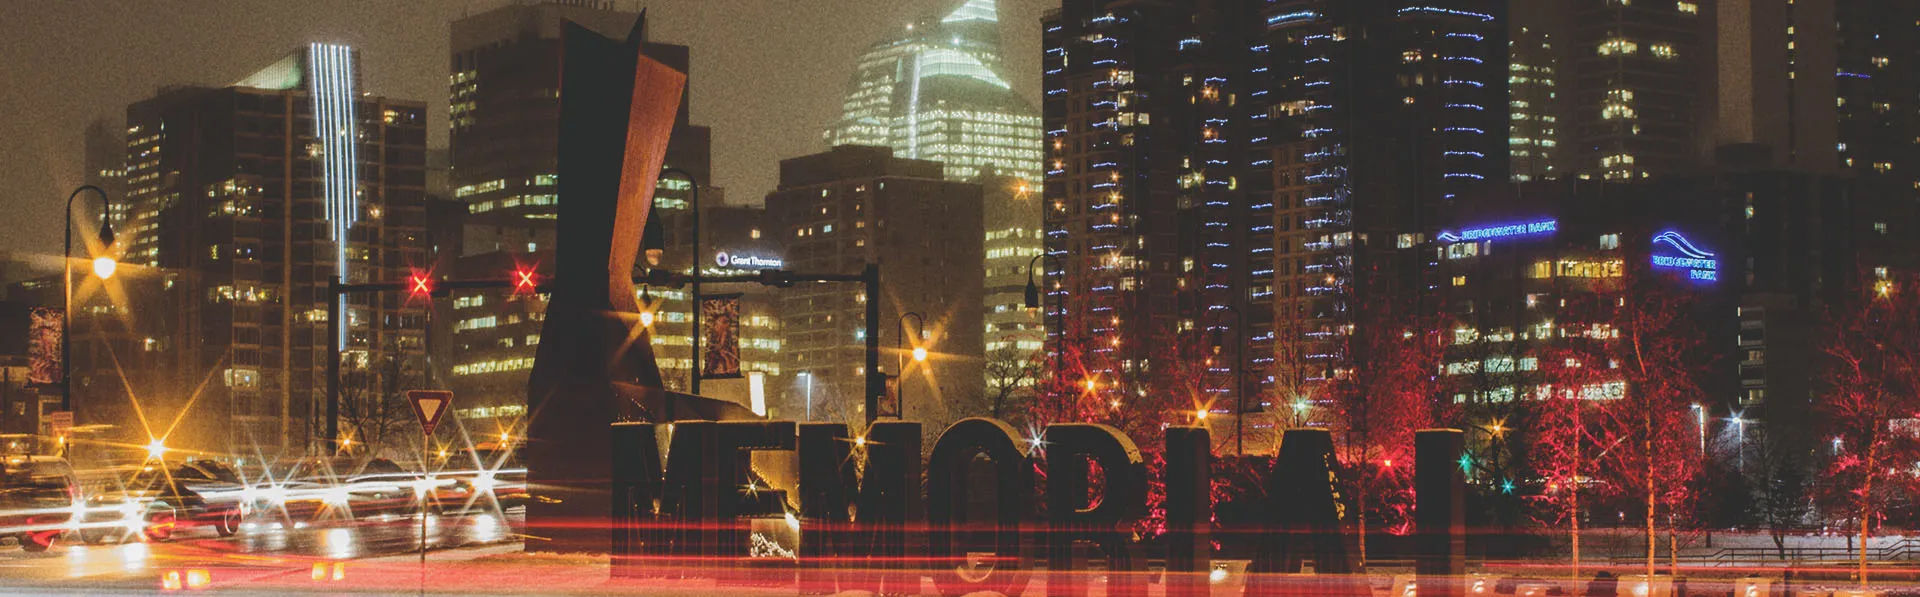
939 90
245 201
1643 94
504 108
1400 108
1533 77
1154 202
1241 175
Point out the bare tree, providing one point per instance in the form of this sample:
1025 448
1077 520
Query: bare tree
1010 377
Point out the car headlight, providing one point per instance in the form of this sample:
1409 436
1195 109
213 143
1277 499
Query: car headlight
483 483
276 495
336 495
129 510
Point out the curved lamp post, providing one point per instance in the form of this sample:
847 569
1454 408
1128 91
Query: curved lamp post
1033 302
919 353
103 266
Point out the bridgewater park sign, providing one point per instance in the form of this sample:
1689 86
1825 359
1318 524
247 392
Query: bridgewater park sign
872 516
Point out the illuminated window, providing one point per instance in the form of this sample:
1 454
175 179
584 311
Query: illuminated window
1609 241
1618 45
1459 280
1688 8
1540 270
1663 51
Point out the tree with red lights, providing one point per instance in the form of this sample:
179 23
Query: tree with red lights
1654 350
1871 375
1566 438
1379 403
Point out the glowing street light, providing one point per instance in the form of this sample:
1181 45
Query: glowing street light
104 270
646 319
919 352
104 266
156 449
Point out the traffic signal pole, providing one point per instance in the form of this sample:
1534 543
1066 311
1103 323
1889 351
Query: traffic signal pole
333 363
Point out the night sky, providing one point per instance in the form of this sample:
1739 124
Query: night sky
767 74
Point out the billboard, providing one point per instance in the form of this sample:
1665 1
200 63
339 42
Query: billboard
44 339
720 336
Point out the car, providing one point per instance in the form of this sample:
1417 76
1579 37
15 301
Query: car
38 495
160 500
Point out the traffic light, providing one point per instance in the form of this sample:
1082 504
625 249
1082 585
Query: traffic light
420 285
525 280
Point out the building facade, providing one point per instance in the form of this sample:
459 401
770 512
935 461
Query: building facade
504 111
1238 175
940 90
838 211
245 202
1644 99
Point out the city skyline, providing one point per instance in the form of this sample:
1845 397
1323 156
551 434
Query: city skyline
787 101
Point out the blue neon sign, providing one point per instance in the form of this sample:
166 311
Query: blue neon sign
1699 264
1539 227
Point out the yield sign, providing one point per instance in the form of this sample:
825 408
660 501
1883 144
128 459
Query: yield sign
429 406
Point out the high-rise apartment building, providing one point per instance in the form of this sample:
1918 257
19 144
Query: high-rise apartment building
1154 204
1238 175
836 212
1398 110
246 201
504 110
940 90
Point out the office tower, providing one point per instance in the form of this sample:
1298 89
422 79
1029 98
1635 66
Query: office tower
938 90
838 211
1012 217
1643 88
504 109
246 200
504 106
1533 76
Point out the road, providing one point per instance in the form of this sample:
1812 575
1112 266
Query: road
262 553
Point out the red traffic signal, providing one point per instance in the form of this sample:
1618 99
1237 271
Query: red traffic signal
420 285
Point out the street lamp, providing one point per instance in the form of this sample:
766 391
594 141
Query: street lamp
1033 303
103 266
919 353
